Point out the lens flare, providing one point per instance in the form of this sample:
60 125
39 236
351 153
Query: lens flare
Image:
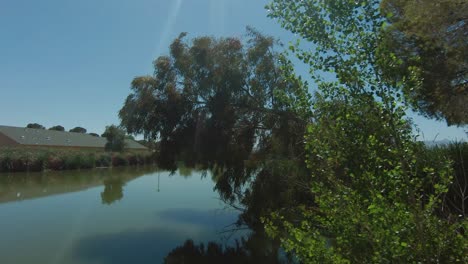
170 22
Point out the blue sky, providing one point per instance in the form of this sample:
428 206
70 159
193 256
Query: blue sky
70 63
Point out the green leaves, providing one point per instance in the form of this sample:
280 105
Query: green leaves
374 198
217 100
115 139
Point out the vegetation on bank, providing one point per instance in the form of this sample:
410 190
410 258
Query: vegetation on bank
28 159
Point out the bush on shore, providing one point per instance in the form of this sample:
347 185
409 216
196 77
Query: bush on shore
21 160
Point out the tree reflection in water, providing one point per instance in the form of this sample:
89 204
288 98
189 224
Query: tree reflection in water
255 249
255 189
24 186
113 190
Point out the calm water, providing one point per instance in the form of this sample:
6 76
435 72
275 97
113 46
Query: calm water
106 216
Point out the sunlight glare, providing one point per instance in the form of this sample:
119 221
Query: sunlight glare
170 23
217 17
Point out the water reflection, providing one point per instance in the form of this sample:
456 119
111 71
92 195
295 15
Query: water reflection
24 186
253 189
65 217
130 246
216 218
113 190
186 221
256 248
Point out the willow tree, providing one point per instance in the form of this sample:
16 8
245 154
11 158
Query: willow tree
373 201
212 100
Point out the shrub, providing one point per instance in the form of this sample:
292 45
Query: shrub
132 159
55 162
19 160
5 163
87 161
119 160
72 162
103 160
35 163
140 159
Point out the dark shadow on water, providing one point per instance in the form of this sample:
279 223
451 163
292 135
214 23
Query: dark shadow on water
217 219
139 246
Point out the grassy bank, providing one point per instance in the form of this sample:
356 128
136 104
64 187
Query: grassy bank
18 160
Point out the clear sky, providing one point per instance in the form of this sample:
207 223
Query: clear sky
70 63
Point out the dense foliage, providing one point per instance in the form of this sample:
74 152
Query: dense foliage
454 202
213 100
36 159
115 139
428 38
375 201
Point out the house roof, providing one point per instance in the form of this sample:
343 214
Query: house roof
42 137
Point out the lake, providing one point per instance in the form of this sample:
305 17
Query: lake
124 215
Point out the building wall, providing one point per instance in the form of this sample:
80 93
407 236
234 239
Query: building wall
6 141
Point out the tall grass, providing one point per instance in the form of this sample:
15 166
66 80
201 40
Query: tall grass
455 201
18 160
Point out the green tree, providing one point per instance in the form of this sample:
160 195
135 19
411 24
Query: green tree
373 201
57 128
428 39
93 134
212 99
115 139
35 125
78 130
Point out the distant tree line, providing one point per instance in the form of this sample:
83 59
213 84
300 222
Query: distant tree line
56 128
